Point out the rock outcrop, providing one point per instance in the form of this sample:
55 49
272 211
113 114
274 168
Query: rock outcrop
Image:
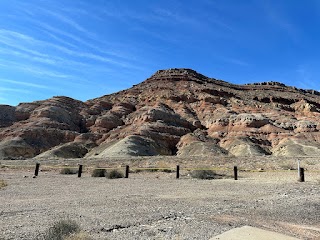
174 112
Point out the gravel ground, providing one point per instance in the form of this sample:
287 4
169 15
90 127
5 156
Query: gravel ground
158 206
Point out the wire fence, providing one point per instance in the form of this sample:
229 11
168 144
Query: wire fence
179 171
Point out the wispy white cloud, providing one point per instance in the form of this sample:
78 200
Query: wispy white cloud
66 16
63 16
10 38
33 69
19 90
278 17
17 53
53 61
236 61
19 41
22 83
64 19
44 72
55 32
196 18
59 39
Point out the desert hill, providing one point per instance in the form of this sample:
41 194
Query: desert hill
174 112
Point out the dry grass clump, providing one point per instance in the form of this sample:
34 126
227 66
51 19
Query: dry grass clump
69 171
3 183
61 230
99 172
203 174
113 174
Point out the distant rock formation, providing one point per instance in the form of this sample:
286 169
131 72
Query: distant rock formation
174 112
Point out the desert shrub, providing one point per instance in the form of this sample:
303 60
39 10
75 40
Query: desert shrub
203 174
68 171
61 230
3 183
167 170
99 172
113 174
139 170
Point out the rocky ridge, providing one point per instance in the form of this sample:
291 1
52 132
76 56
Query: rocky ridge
174 112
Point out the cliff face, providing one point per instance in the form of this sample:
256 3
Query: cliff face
174 112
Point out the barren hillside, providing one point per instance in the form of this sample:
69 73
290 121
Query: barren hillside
174 112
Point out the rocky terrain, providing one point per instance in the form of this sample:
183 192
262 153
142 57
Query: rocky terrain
155 206
174 112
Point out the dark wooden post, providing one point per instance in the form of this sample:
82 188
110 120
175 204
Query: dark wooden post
127 172
235 172
178 172
36 172
80 170
301 178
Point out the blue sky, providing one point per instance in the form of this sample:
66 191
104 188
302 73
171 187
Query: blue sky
88 48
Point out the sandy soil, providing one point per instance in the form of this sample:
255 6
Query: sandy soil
158 206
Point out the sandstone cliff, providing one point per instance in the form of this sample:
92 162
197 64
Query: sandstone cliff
174 112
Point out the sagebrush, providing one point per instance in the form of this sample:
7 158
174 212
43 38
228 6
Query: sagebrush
60 230
69 171
99 172
203 174
113 174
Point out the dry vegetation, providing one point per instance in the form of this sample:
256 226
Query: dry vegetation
3 183
155 205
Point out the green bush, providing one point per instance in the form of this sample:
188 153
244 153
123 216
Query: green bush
99 172
113 174
68 171
203 174
61 230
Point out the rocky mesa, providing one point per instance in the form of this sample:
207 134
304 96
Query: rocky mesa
174 112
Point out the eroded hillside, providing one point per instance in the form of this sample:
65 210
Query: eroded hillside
174 112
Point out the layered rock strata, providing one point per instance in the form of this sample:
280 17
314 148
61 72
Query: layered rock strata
174 112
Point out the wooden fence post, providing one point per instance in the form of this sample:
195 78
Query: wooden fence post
36 171
80 170
178 172
127 172
301 178
235 172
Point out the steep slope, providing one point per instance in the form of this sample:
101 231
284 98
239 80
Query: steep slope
175 111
